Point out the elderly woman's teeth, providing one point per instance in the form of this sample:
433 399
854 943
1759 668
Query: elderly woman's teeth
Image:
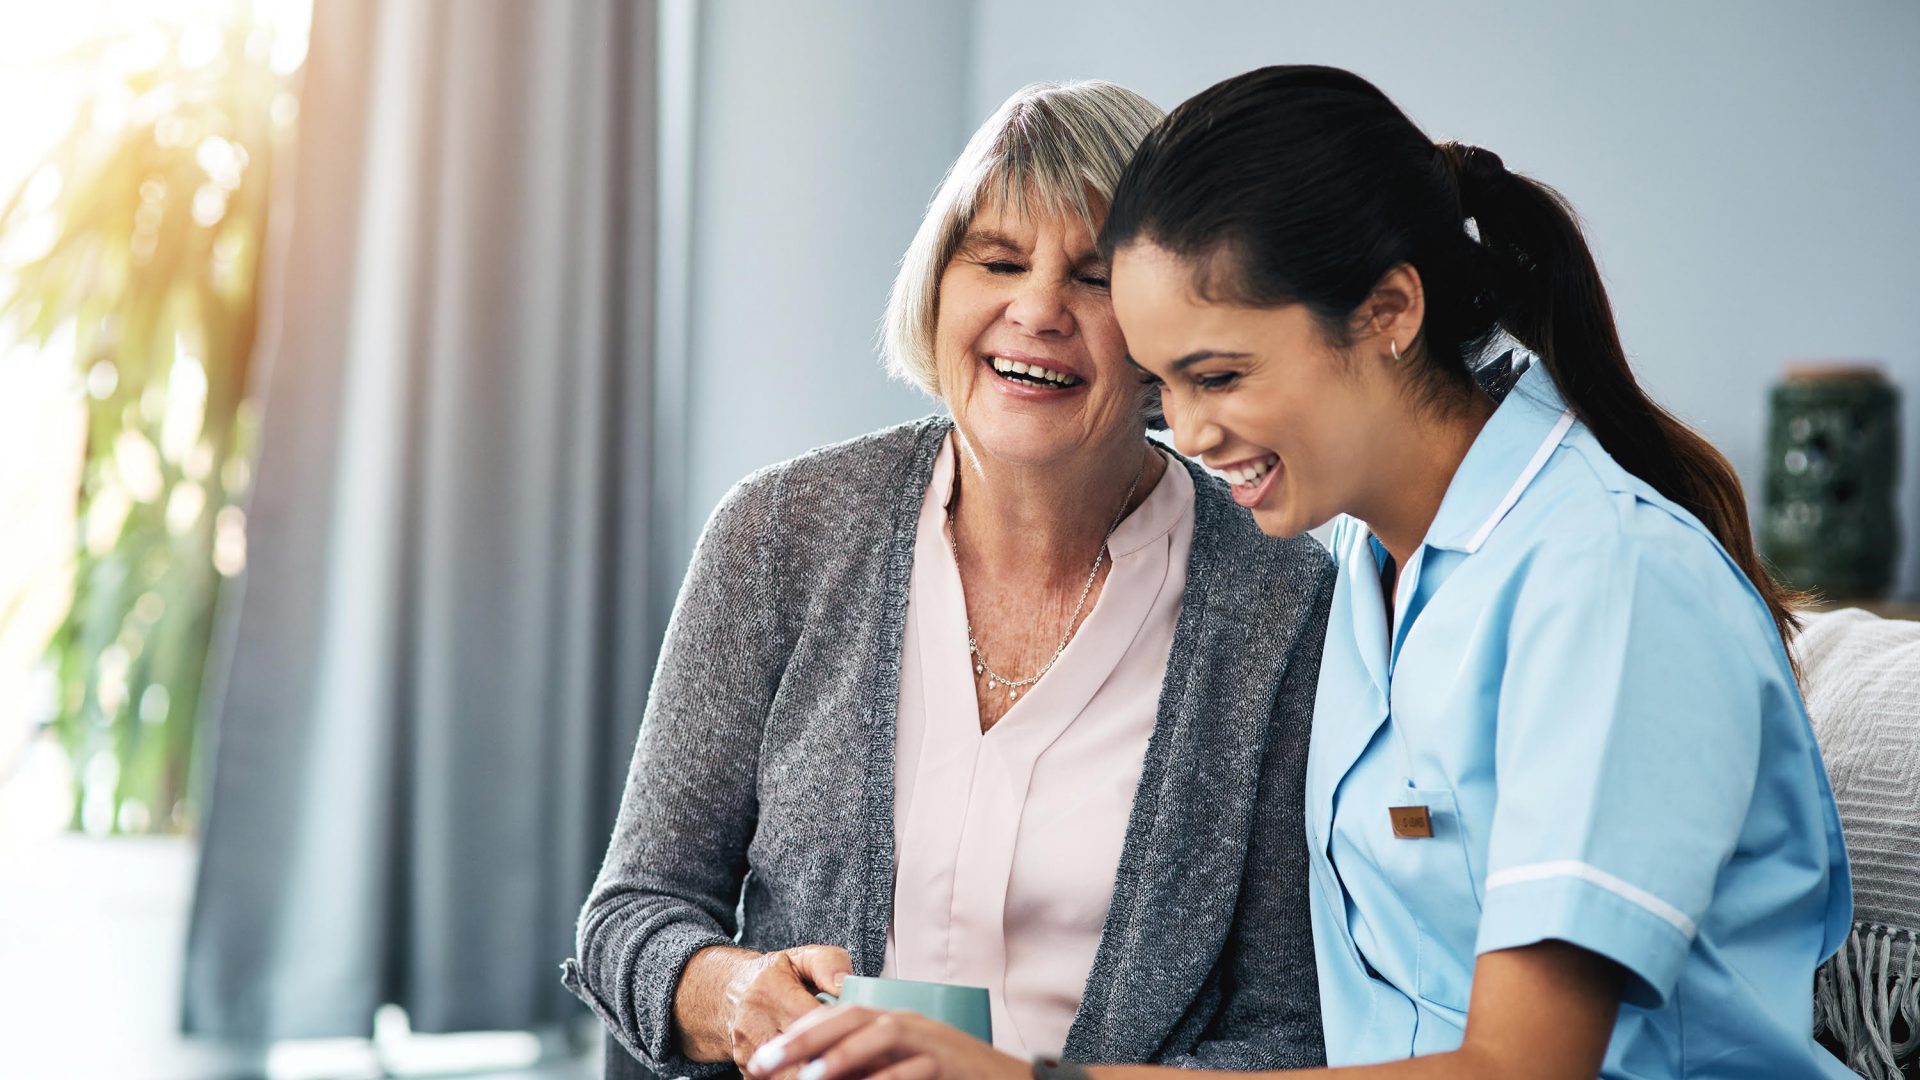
1019 371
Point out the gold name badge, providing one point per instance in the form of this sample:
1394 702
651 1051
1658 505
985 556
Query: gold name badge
1411 822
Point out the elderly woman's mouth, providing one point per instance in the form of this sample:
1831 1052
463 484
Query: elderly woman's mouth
1030 372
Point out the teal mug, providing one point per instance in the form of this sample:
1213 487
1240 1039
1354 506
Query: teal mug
963 1007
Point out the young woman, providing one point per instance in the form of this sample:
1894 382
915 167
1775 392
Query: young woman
1565 813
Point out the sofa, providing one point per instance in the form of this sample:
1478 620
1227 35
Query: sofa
1862 681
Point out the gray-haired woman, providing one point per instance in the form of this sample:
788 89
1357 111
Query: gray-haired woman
1014 699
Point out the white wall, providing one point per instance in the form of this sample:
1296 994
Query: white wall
820 131
1749 172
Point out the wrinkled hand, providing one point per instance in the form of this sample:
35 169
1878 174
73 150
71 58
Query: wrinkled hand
851 1041
769 992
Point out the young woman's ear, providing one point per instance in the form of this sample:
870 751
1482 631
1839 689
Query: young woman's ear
1389 319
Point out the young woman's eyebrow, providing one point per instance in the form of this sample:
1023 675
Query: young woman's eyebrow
1195 357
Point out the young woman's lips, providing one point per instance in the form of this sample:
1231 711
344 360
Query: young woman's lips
1250 495
1029 391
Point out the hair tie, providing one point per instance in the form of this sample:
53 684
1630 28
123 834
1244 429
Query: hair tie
1472 166
1476 173
1479 165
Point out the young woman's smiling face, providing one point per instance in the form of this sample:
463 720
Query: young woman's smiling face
1256 393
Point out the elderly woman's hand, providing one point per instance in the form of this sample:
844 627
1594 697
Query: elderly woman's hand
852 1041
731 1001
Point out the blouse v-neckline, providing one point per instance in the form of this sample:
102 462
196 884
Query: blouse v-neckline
968 790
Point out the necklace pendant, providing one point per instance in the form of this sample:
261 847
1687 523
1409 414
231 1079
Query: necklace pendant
1012 693
990 684
979 669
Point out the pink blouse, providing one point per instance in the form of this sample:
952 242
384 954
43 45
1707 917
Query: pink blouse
1007 842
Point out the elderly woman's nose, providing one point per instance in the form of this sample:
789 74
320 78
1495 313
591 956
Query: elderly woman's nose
1041 307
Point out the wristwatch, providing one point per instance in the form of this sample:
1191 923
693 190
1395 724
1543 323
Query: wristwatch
1051 1069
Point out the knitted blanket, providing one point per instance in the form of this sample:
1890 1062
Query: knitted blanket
1863 695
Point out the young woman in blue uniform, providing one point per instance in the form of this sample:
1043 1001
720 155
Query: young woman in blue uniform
1566 816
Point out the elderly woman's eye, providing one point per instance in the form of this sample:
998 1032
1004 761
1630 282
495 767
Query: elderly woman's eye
1004 268
1216 381
1098 281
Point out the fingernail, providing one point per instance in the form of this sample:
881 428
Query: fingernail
767 1058
814 1071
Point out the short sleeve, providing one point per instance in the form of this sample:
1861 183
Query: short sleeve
1627 746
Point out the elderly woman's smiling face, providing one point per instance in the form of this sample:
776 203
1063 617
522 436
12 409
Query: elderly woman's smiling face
1030 357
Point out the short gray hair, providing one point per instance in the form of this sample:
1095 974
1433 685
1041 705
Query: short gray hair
1060 145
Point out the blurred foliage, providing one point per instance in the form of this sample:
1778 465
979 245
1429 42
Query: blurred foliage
142 234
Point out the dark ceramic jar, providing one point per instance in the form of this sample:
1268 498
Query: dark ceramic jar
1832 447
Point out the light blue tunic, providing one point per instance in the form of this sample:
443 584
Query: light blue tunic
1592 704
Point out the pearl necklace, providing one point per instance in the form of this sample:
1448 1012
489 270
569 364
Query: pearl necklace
980 665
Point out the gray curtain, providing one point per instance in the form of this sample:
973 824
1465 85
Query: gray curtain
433 665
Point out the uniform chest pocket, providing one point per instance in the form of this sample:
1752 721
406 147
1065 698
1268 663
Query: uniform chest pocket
1435 876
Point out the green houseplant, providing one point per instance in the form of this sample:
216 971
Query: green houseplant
144 230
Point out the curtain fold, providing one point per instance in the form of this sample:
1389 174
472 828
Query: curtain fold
432 667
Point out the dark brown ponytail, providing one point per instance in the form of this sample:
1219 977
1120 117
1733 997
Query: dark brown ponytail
1303 184
1547 293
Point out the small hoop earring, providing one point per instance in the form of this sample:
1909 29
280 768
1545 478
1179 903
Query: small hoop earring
1394 347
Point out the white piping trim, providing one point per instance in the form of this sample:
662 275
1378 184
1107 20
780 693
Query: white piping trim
1626 890
1527 474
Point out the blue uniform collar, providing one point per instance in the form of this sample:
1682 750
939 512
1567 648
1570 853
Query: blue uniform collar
1505 457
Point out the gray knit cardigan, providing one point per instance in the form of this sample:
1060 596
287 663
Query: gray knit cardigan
759 808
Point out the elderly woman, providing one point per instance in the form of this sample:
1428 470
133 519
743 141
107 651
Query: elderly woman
1014 699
